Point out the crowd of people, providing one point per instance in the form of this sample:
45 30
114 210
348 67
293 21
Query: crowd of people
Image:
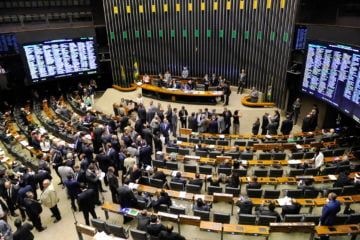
124 153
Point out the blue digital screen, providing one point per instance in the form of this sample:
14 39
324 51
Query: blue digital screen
332 74
61 58
300 42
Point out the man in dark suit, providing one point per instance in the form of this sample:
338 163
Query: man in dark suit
165 130
163 199
241 81
227 92
158 174
168 234
92 179
344 180
143 221
268 211
183 114
286 126
147 135
33 210
113 183
197 180
21 196
86 202
41 176
127 199
329 212
10 196
97 141
254 184
142 113
155 227
192 122
213 125
306 124
145 154
73 189
265 123
23 231
245 205
293 208
178 179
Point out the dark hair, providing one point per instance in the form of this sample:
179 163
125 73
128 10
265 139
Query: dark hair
199 202
197 175
17 223
272 206
236 164
178 174
153 218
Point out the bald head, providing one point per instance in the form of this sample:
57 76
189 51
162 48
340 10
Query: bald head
46 183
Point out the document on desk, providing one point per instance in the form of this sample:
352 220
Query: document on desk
24 143
284 201
197 196
298 146
221 136
332 177
174 173
293 161
133 185
212 146
182 194
179 142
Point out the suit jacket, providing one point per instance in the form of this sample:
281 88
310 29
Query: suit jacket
291 209
164 129
24 232
192 123
263 210
155 229
41 176
198 182
33 208
272 128
72 187
127 198
178 180
113 181
183 114
145 155
329 212
245 206
159 175
255 128
165 235
202 126
213 126
174 118
143 222
265 122
86 200
22 194
92 180
142 113
48 197
221 124
286 126
253 185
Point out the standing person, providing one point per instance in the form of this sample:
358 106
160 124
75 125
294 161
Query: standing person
5 230
72 186
86 202
256 126
206 82
227 92
318 159
329 212
296 109
192 122
23 231
236 122
183 114
165 130
33 209
241 81
286 126
265 123
254 94
306 124
227 119
127 199
185 72
113 183
93 181
10 196
174 121
49 199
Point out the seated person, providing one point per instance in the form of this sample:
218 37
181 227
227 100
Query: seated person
155 226
215 180
201 206
225 164
306 185
178 179
343 180
163 199
201 148
245 205
268 211
173 84
158 174
254 184
169 234
197 180
146 78
141 197
143 220
233 181
186 87
294 208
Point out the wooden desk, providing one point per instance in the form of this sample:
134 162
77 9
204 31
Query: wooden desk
342 199
352 229
188 175
292 227
203 97
246 229
84 229
210 226
190 220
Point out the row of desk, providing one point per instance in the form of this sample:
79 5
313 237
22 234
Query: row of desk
349 229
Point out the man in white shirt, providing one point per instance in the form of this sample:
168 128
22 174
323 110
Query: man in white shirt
318 159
